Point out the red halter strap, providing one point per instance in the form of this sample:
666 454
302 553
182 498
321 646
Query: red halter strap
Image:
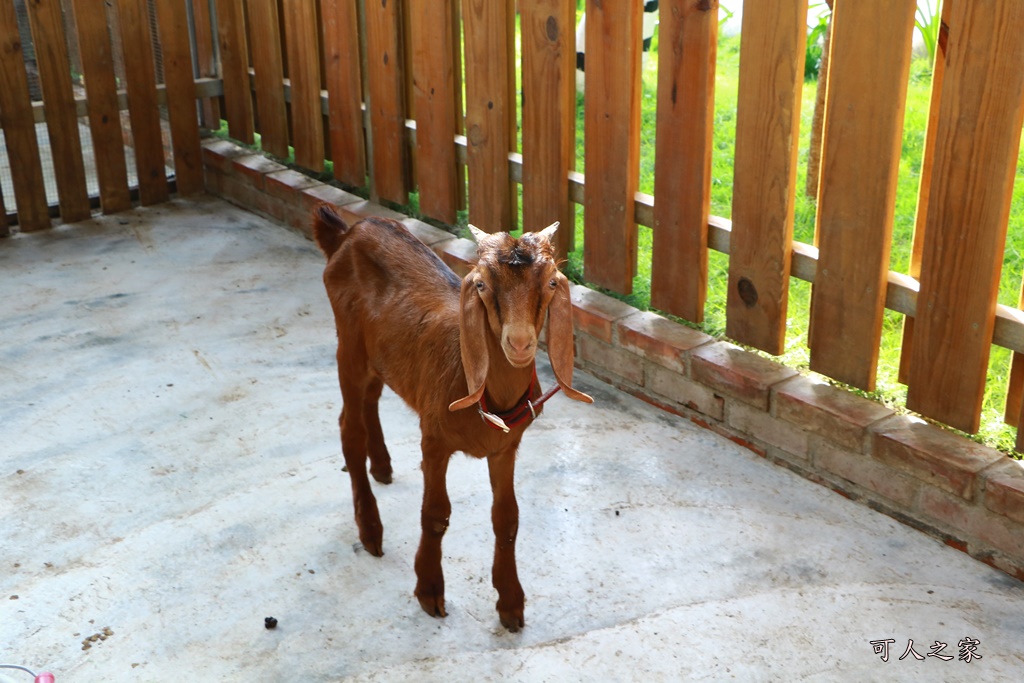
523 409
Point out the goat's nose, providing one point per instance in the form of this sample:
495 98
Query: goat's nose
520 344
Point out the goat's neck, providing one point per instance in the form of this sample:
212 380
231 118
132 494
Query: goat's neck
505 384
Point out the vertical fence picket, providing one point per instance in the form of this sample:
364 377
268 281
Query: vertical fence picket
209 107
489 110
234 69
344 90
386 81
181 95
863 128
5 229
434 91
104 112
774 35
302 40
549 116
924 189
142 102
687 45
19 126
611 122
978 137
265 31
50 43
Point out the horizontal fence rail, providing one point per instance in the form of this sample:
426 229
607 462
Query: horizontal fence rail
423 97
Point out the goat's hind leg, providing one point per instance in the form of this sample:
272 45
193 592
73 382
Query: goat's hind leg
354 435
380 459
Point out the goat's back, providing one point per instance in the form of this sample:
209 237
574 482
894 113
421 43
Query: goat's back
395 305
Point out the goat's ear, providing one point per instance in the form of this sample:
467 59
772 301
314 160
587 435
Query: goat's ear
560 340
472 343
478 234
548 233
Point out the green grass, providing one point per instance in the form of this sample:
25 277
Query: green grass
993 432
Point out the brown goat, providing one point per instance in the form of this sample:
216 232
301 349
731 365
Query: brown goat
443 345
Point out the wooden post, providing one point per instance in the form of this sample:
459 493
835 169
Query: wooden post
104 113
687 47
863 130
344 90
612 129
434 94
976 145
774 36
61 119
549 116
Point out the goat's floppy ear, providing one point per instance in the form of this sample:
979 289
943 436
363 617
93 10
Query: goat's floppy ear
560 341
472 343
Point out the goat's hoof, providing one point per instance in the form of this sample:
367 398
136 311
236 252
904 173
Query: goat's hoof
432 605
382 477
512 620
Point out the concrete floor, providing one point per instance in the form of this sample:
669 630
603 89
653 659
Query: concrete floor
170 471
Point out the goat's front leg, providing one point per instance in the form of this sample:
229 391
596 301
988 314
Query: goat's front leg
505 519
434 516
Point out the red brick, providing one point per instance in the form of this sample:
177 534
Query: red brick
356 211
975 521
244 195
288 184
254 168
658 339
734 372
931 454
833 413
311 197
674 386
1004 489
459 254
595 313
761 426
611 360
425 232
862 470
219 153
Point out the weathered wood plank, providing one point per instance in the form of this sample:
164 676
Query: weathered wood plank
181 95
774 35
104 112
434 95
687 46
611 121
863 129
234 66
549 116
18 123
61 123
142 102
301 39
976 146
386 80
488 113
265 31
924 188
344 90
205 58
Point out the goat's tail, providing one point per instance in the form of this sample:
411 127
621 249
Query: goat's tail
328 229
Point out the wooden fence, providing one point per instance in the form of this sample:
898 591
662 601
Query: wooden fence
378 89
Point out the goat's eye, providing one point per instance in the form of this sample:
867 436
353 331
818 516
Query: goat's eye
553 283
480 286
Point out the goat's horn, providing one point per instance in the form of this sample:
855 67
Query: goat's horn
478 234
549 232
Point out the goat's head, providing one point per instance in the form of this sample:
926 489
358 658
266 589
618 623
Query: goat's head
514 284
